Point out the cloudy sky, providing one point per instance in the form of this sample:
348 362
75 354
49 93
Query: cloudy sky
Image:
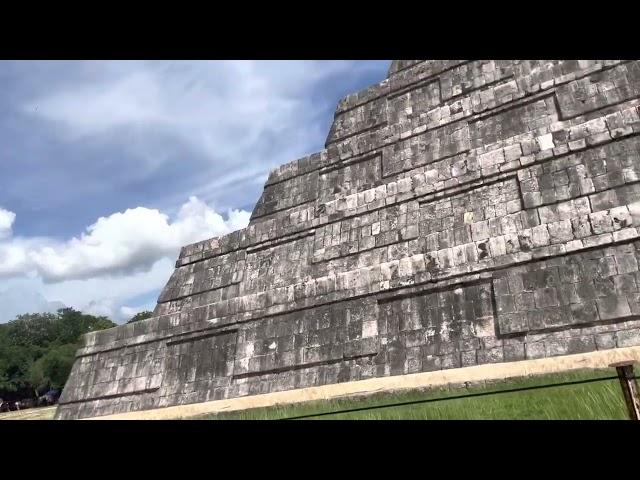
108 167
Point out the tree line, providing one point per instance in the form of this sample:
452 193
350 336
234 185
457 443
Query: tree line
37 350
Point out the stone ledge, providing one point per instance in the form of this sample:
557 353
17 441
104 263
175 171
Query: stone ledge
458 376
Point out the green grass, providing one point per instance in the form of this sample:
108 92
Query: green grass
591 401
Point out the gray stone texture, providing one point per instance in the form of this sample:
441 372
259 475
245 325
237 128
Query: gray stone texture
462 212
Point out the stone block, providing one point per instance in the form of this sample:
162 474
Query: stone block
614 306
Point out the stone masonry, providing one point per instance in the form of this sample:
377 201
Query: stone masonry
463 212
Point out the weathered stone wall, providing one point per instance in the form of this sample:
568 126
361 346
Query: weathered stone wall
462 213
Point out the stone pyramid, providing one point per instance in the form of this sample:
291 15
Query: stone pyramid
463 212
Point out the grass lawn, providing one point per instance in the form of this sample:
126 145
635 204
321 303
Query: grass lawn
591 401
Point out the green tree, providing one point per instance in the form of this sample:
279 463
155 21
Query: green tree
15 361
32 329
52 369
5 384
36 377
141 316
71 324
37 350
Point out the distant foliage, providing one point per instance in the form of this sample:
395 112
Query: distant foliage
141 316
37 350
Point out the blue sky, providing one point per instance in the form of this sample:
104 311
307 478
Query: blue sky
108 167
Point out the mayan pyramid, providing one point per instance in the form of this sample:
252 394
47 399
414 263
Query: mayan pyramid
463 212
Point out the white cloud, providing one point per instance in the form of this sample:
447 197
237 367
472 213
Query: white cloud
109 296
243 117
218 106
17 300
6 221
121 256
13 258
133 100
104 307
121 243
80 293
126 312
114 310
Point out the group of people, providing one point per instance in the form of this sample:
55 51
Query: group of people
7 406
49 398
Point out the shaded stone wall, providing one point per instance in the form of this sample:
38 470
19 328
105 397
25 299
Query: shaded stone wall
462 212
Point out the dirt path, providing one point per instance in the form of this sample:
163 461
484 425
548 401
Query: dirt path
44 413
